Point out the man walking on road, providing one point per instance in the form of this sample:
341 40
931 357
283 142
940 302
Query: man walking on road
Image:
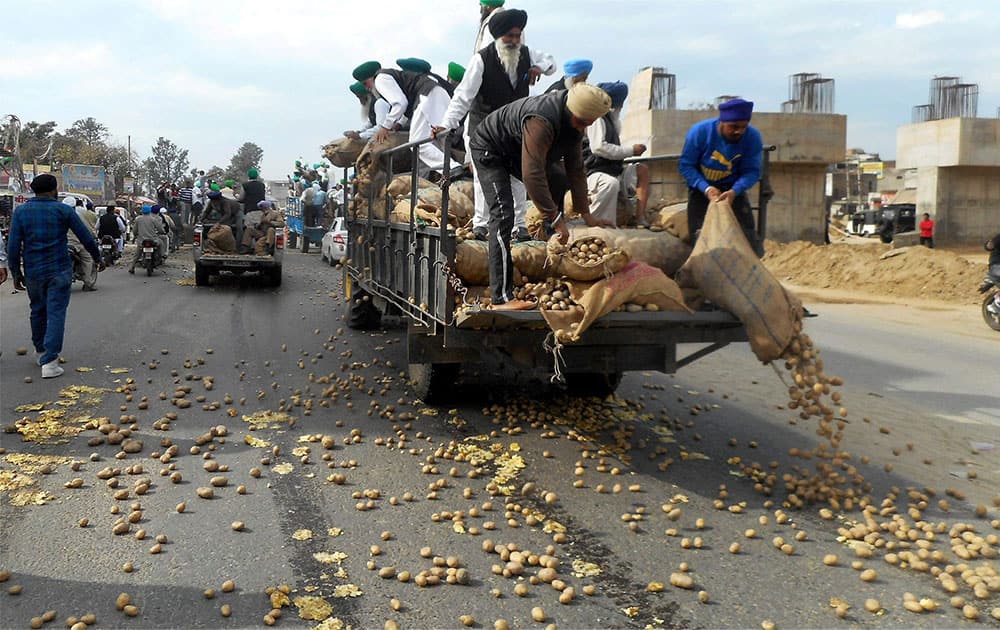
38 236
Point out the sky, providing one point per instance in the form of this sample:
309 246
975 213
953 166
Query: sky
213 74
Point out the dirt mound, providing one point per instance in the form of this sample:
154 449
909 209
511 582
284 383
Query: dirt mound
910 272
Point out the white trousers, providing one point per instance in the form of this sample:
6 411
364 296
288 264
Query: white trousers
605 191
430 109
481 217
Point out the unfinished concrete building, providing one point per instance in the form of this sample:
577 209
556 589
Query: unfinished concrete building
956 158
807 135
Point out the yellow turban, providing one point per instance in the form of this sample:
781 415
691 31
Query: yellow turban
588 102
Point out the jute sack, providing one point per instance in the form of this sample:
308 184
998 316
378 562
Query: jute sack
461 207
221 239
662 250
400 162
400 212
400 185
676 223
343 152
637 283
562 263
465 187
728 273
472 262
529 258
534 221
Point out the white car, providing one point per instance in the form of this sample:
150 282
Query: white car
334 243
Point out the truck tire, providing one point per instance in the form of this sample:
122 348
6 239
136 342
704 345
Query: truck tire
364 315
293 240
432 382
274 276
593 383
201 275
305 244
150 263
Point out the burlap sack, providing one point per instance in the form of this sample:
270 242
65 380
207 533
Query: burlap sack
461 207
472 262
676 222
221 238
534 220
400 161
343 152
529 259
728 273
465 187
400 185
662 250
637 283
560 263
401 212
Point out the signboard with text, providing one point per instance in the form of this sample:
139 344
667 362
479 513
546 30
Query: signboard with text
83 179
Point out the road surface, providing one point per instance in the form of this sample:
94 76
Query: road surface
400 476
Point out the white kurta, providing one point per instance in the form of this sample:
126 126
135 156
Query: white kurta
430 109
465 93
604 190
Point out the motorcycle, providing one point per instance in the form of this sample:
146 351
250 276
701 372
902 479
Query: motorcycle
109 251
79 273
991 287
149 256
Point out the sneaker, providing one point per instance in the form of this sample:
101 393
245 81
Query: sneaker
52 369
480 233
521 235
993 308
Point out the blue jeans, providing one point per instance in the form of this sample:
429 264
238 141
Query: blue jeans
49 298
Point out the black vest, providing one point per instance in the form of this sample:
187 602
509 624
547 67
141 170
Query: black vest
108 226
496 90
371 109
597 164
253 192
502 132
413 85
558 85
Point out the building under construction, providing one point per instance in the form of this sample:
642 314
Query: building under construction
956 158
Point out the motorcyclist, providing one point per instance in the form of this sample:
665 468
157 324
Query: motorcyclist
88 262
993 247
110 225
147 227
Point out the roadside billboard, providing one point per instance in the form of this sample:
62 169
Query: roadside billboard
83 179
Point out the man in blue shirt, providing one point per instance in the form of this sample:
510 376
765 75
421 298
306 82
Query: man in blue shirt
38 236
721 162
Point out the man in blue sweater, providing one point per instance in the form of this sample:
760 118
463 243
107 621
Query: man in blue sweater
38 235
721 162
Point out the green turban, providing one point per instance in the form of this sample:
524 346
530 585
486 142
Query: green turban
413 64
366 70
359 88
455 72
252 173
215 187
230 183
491 3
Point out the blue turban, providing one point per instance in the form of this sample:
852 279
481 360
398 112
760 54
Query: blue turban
617 90
147 209
214 194
263 205
155 208
736 109
576 67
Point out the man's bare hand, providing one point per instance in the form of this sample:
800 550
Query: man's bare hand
638 149
712 193
562 230
437 130
727 196
381 136
533 73
3 275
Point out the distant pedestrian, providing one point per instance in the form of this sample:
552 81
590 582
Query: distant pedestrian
927 231
3 260
186 199
38 237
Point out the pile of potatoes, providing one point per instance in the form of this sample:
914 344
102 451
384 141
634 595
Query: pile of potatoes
589 251
551 295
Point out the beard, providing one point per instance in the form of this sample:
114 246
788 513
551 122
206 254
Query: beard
509 55
365 105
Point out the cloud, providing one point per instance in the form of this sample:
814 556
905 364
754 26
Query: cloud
55 60
918 20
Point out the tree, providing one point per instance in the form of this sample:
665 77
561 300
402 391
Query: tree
34 138
168 162
87 130
247 156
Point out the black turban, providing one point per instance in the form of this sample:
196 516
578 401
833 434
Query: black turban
44 183
503 21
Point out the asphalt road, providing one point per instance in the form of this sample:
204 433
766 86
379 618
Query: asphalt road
665 441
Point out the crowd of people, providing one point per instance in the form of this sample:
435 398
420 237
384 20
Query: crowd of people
567 139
